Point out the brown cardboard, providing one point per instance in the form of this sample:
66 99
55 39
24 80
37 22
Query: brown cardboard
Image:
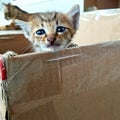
81 83
13 40
74 84
102 4
119 3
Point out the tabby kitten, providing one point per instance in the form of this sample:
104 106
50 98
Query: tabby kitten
50 31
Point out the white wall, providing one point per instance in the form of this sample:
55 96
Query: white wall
47 5
32 6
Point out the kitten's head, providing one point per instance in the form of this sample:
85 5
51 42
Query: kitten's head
51 31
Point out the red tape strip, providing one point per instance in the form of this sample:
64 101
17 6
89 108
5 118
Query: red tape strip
3 75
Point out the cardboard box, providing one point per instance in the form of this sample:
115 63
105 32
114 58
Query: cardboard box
102 4
13 40
74 84
98 27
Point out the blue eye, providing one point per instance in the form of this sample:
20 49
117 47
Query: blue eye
40 32
61 29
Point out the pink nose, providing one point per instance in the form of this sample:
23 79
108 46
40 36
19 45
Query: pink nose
51 39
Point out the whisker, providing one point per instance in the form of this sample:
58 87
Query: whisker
28 49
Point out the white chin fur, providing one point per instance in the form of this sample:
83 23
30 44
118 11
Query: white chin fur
48 49
44 48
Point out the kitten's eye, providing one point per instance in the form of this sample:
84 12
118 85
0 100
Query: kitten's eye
61 29
40 32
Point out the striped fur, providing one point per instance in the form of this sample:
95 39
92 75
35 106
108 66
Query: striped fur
50 31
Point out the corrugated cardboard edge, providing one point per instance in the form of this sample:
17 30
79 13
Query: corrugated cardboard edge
2 102
3 90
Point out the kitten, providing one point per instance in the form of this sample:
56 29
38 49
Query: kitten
50 31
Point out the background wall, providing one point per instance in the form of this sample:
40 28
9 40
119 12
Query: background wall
32 6
47 5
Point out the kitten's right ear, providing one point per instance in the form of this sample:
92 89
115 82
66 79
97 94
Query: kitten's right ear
26 27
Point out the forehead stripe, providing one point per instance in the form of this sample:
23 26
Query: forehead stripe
48 17
54 16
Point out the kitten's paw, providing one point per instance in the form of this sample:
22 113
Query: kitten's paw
72 45
9 54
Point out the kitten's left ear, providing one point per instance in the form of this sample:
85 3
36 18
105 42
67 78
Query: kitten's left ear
74 15
26 27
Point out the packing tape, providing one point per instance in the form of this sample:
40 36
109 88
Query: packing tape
3 75
3 89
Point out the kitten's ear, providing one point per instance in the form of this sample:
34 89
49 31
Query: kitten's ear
74 15
6 11
26 27
14 12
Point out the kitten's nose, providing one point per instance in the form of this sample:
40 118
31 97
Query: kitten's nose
51 39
